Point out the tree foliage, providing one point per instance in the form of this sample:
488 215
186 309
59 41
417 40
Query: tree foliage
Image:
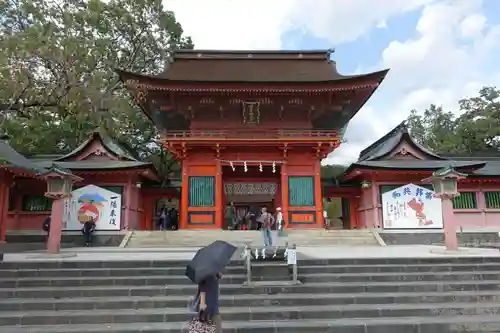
57 79
332 171
473 130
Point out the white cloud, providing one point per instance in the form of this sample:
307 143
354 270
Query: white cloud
382 25
254 24
233 24
472 25
436 65
344 21
440 64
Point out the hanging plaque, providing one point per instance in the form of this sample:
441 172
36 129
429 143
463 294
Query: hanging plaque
251 112
250 188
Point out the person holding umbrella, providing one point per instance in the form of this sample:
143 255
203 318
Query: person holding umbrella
208 290
205 270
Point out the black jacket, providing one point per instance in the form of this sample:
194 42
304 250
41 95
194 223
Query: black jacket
46 224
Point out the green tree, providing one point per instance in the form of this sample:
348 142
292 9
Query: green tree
474 129
57 79
434 129
479 123
332 171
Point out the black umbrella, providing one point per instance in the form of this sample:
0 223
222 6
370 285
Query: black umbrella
209 261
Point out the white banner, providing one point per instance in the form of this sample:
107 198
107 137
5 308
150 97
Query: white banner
411 207
92 203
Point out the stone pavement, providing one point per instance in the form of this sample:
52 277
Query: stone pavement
304 252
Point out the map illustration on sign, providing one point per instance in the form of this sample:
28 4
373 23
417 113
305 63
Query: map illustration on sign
92 204
411 207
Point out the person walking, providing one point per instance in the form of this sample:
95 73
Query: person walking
208 291
230 216
266 221
280 223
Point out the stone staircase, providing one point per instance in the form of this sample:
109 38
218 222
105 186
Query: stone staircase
340 295
301 237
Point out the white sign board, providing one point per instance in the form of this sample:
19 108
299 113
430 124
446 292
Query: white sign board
95 204
411 207
291 257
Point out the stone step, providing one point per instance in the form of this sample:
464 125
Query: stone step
239 279
443 324
420 295
235 289
239 269
312 243
293 299
102 316
134 264
300 237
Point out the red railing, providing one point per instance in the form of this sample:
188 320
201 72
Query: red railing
250 134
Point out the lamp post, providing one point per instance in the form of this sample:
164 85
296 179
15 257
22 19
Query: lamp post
445 182
59 184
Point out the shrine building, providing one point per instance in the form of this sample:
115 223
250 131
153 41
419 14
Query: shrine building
251 127
99 160
397 159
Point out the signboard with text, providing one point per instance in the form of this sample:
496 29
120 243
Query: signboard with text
92 204
411 207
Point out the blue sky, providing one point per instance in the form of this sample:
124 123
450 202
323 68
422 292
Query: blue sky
439 51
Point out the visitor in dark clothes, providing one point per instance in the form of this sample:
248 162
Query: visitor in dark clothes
46 227
174 219
88 230
209 299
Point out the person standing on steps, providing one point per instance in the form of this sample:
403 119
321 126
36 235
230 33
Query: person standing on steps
280 223
209 299
162 217
230 216
266 221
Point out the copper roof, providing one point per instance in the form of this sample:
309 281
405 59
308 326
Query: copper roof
254 66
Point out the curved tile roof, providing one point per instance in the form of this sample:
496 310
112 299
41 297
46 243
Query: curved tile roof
388 142
12 158
106 141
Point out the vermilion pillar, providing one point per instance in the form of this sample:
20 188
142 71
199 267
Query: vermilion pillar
5 181
54 243
128 204
284 192
353 212
219 192
184 196
3 210
450 229
318 194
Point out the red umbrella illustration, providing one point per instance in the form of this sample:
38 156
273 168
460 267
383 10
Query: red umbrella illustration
89 210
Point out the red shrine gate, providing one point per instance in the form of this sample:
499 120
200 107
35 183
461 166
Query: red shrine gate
254 121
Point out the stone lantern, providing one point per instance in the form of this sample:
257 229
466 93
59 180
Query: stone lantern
445 183
59 185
